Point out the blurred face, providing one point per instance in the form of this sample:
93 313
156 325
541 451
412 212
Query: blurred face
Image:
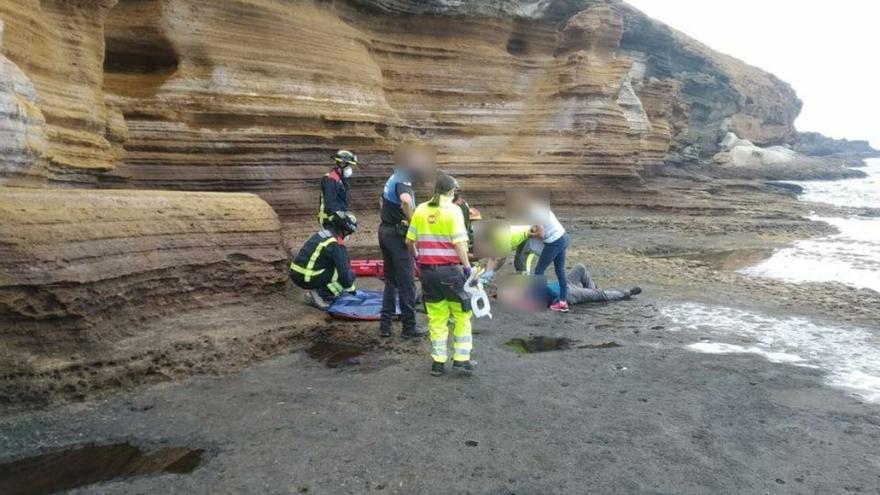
491 239
520 202
516 294
419 162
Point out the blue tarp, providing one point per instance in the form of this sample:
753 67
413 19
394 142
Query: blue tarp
362 305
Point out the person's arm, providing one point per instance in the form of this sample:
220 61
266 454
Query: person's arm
343 267
407 200
411 235
461 248
537 232
489 264
406 204
332 203
460 238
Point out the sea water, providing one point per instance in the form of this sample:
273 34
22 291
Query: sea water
849 355
851 257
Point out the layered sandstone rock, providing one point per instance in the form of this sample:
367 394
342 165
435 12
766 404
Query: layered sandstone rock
254 96
80 270
58 49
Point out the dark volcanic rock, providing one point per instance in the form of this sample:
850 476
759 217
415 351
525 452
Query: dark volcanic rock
815 144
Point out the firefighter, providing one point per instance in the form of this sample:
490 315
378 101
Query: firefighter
335 188
438 239
322 265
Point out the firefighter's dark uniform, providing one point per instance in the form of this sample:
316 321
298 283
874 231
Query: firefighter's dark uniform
400 278
335 196
322 264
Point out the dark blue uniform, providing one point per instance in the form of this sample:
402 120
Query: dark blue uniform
335 196
323 264
400 278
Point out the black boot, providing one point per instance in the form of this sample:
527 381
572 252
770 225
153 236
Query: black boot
463 366
635 291
414 333
384 331
437 369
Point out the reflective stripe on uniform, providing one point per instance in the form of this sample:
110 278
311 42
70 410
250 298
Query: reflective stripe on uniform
303 271
309 270
438 252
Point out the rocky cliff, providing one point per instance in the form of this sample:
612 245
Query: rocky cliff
254 95
107 105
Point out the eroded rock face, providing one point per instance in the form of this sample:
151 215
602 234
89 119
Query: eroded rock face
723 94
22 125
254 96
81 270
59 48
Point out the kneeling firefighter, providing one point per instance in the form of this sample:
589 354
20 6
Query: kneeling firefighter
322 265
438 239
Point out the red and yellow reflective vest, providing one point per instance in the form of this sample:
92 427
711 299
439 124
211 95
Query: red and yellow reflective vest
436 230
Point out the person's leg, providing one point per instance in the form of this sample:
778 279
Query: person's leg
389 295
462 332
548 255
405 274
438 327
559 267
577 295
577 276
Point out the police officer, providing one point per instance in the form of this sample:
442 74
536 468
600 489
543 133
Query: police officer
322 265
335 189
437 236
397 206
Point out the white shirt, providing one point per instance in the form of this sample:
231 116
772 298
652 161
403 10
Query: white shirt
553 230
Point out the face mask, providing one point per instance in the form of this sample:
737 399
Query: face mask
347 171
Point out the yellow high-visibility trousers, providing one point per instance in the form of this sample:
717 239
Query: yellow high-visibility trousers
438 328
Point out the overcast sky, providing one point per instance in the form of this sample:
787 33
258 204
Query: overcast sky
828 51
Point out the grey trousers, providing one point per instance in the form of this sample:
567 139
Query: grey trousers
582 289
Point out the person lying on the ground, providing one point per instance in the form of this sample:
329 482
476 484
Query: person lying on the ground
535 293
322 266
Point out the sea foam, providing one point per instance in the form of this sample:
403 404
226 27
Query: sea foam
849 355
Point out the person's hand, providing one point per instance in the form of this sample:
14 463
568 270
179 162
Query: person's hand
486 277
467 271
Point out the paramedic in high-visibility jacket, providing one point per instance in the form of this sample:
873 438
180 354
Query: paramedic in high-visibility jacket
438 239
323 266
